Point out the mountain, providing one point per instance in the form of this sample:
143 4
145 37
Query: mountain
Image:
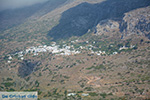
10 18
32 29
77 49
133 22
78 20
137 22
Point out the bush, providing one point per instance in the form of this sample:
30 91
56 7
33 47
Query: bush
9 79
97 67
93 94
100 67
80 92
37 83
8 84
103 95
89 88
11 89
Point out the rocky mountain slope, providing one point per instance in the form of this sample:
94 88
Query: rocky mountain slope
133 22
78 20
137 22
35 29
78 49
11 18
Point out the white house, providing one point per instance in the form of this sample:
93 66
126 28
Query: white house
22 58
10 58
84 94
9 61
124 47
115 53
71 94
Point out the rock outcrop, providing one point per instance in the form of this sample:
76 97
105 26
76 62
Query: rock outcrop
133 22
106 27
137 22
27 67
78 20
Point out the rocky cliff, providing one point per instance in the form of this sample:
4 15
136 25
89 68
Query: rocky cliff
133 22
137 22
77 20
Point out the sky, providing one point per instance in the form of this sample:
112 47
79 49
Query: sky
11 4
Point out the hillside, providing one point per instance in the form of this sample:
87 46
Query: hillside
10 18
34 28
78 20
77 50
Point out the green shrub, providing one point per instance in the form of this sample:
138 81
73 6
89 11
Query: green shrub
8 84
103 95
9 79
93 94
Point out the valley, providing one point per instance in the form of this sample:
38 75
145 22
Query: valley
77 50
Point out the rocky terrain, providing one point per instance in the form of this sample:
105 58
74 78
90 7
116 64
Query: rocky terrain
134 22
137 22
14 17
78 20
78 49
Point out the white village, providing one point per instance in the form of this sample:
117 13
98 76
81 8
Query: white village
63 51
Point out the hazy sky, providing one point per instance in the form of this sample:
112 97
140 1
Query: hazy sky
11 4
